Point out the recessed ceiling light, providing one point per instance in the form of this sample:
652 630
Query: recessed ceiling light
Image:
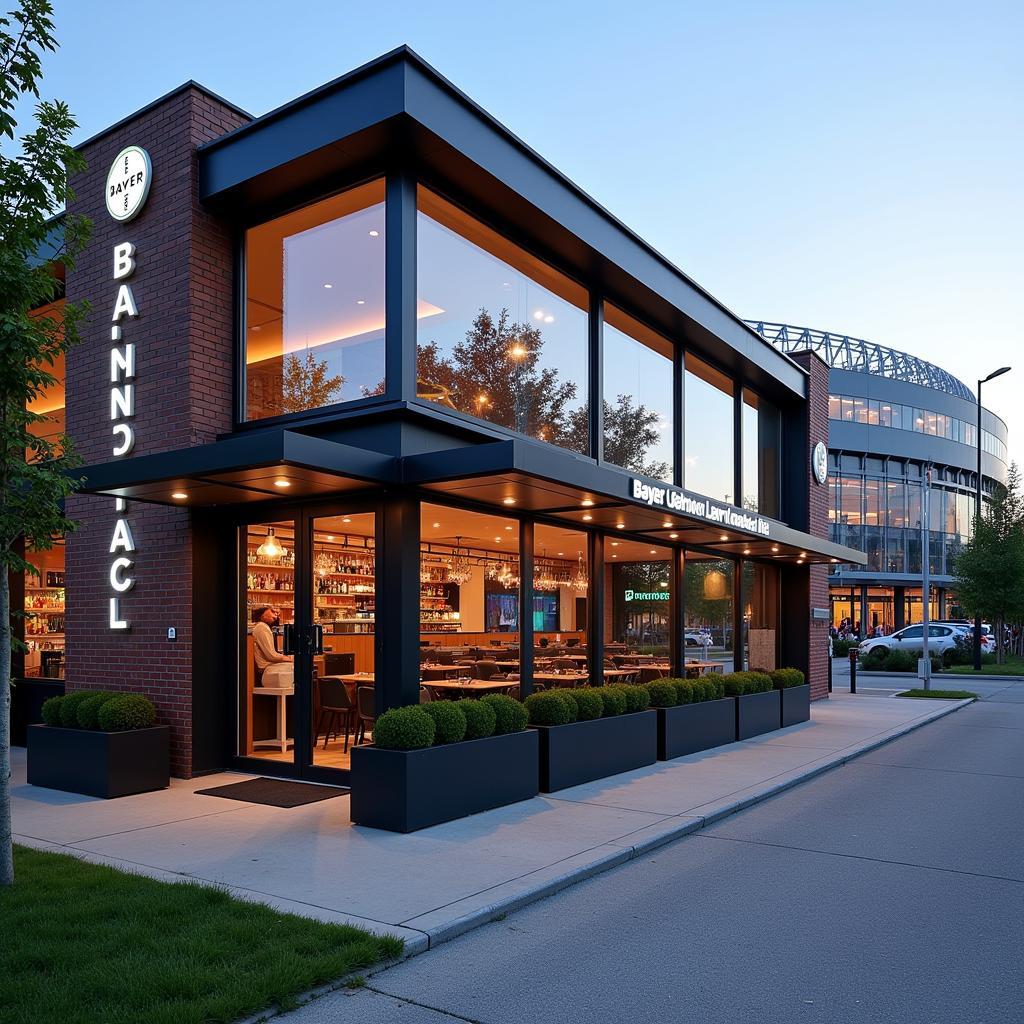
437 526
775 547
587 518
179 495
615 543
615 556
328 286
561 553
666 524
835 560
620 526
746 551
374 233
498 540
653 552
799 561
508 501
803 554
347 519
724 536
281 482
508 527
587 502
330 536
673 536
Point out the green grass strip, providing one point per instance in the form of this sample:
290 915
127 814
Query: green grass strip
82 944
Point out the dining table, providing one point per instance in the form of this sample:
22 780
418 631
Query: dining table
470 685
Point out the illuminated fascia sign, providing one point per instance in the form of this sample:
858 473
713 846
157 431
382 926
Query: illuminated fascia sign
644 595
699 507
127 189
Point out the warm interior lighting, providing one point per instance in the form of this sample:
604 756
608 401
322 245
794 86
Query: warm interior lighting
587 502
374 233
281 482
508 501
775 547
347 519
724 536
620 526
587 519
673 536
270 548
179 495
746 551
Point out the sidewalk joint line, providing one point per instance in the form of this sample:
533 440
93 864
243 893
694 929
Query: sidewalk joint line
422 1006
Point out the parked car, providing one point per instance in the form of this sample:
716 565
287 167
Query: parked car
700 638
911 638
988 641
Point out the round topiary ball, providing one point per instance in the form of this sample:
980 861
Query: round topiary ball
569 700
588 703
126 711
449 721
89 709
614 700
662 693
480 718
51 710
406 728
69 707
638 698
509 714
547 708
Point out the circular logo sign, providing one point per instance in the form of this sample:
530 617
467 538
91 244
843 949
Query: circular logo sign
819 462
128 183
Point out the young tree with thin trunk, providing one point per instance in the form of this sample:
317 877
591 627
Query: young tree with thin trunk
34 465
989 569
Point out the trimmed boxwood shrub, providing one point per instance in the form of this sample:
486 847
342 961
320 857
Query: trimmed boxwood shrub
480 718
126 711
449 721
638 698
739 684
406 728
51 710
509 714
589 704
69 707
569 699
784 678
662 693
841 648
614 700
547 708
89 709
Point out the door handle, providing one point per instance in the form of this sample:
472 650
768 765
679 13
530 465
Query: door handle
288 639
317 640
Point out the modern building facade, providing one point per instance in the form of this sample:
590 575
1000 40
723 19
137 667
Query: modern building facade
892 417
367 377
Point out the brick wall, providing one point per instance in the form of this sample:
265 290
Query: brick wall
817 430
183 336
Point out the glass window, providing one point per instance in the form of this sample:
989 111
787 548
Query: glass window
860 410
872 489
894 551
885 415
314 305
561 578
850 489
708 608
873 412
896 417
500 335
44 614
708 432
760 615
761 433
638 399
896 503
835 407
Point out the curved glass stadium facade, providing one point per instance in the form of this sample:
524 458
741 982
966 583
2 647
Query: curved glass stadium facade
891 417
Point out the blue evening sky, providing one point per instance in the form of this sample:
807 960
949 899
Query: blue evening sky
855 167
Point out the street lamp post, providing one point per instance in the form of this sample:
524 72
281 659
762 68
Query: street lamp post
977 509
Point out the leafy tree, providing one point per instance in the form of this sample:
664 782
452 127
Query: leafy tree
495 373
629 433
989 569
305 384
34 477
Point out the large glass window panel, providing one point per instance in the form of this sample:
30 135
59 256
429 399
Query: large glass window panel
872 504
760 615
561 590
638 592
314 305
873 547
44 613
894 551
761 434
708 434
850 493
638 396
708 609
500 334
896 503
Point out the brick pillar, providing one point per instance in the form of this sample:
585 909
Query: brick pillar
817 518
182 286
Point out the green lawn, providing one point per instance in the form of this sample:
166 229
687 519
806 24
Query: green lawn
1014 667
939 694
84 944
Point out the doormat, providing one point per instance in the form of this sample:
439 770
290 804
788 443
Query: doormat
275 792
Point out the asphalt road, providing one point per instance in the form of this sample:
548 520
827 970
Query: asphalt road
888 890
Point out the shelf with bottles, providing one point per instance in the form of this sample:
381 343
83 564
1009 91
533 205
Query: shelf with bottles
441 627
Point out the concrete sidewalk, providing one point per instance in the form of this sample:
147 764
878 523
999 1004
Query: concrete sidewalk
432 885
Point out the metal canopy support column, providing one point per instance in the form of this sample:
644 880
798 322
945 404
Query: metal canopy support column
525 608
596 379
400 286
677 614
737 615
397 664
595 608
679 406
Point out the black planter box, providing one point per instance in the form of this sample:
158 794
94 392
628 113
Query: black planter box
796 704
105 764
27 699
757 713
406 790
689 728
584 751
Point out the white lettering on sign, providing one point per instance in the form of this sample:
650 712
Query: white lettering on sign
721 514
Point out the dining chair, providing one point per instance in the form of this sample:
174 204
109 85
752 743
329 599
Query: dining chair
425 697
335 705
366 711
485 669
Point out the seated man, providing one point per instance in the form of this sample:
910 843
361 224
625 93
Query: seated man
264 651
